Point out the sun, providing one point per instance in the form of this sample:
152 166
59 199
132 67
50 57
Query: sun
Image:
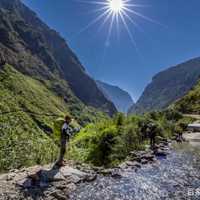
116 6
117 13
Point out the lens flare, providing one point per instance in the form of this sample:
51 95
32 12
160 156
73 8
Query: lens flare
117 12
116 5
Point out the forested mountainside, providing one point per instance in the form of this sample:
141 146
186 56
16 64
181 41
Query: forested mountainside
32 48
41 80
121 99
190 103
168 86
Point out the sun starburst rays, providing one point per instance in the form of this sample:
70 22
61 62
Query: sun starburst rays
119 12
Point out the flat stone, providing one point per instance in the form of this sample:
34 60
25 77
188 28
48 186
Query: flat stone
74 175
51 176
148 156
10 176
25 183
136 164
130 163
74 179
71 187
107 171
68 171
4 177
90 178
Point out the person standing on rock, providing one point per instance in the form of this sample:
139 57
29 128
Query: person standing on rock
66 133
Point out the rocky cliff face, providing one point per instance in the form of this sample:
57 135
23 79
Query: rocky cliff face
121 99
37 51
168 86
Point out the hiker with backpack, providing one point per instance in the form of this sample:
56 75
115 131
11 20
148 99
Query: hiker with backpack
66 133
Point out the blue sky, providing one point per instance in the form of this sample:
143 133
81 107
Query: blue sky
117 61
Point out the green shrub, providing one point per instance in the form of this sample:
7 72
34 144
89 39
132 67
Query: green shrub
182 124
107 142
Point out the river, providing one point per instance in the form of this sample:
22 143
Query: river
174 177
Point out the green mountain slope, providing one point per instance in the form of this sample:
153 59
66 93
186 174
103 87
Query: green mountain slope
168 86
28 110
34 49
190 103
23 138
41 79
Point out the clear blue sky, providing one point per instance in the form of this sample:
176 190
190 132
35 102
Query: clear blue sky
118 62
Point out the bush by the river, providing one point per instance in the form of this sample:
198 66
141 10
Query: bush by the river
108 142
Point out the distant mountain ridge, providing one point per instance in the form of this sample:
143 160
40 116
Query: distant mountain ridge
121 99
168 86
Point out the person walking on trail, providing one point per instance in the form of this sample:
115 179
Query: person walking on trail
66 133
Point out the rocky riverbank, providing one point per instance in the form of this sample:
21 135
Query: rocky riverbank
48 182
42 182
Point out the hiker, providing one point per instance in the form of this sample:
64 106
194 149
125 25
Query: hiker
152 134
179 133
143 130
66 133
179 137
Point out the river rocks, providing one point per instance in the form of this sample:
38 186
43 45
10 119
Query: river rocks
144 161
161 150
129 164
107 171
161 139
58 195
142 157
123 166
57 183
43 182
115 172
90 178
148 156
25 183
138 158
133 164
160 153
50 176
